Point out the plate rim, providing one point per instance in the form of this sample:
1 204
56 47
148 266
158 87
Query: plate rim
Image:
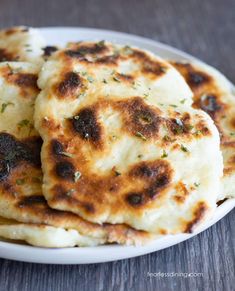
107 253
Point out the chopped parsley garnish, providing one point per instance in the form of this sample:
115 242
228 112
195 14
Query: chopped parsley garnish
166 138
189 126
20 181
173 105
101 43
146 95
84 73
10 69
196 184
164 154
183 101
105 81
116 79
66 154
23 123
140 135
90 79
4 106
127 50
184 149
140 156
117 173
198 132
77 176
232 133
81 94
162 69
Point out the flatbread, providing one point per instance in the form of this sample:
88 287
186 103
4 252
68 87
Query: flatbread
214 94
121 143
21 44
21 197
42 235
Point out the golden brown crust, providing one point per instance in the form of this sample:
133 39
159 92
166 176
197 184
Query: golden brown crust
209 97
199 213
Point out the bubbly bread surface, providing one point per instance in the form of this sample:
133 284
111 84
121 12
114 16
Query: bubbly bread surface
214 94
21 44
21 196
121 142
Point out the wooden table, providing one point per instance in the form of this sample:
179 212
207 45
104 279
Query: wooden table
205 29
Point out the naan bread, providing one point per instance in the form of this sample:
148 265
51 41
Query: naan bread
21 197
44 236
214 94
21 44
121 143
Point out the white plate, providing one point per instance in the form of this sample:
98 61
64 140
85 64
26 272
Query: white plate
60 36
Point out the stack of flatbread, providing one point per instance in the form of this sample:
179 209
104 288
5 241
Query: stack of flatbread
102 143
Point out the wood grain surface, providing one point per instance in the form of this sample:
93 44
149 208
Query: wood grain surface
205 29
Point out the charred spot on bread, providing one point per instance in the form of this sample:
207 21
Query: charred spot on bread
49 50
198 214
140 117
6 56
30 201
26 80
56 147
157 176
134 199
13 151
210 104
65 170
85 124
69 84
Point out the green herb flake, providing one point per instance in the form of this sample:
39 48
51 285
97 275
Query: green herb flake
66 154
4 106
198 132
196 184
166 138
105 81
184 149
90 79
23 123
232 133
173 105
101 43
81 94
127 50
183 101
117 173
10 69
164 154
77 176
189 126
140 135
163 69
140 156
116 79
146 95
20 181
